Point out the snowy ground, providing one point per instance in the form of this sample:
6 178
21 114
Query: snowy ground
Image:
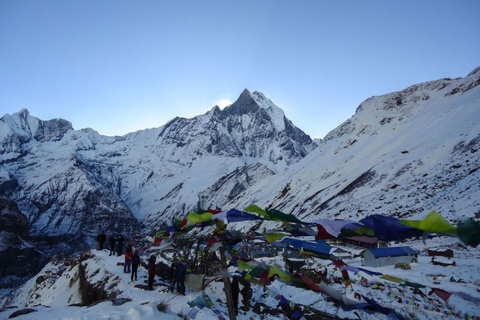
52 300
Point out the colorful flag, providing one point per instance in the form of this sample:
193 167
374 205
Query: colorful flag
346 278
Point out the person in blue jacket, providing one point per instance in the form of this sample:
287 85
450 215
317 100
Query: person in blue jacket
151 271
180 272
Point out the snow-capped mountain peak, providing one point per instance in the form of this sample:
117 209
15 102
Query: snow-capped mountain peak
257 103
25 127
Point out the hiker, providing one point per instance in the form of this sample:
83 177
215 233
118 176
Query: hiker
235 292
98 241
101 240
128 258
173 267
246 295
151 271
112 241
135 264
180 272
119 245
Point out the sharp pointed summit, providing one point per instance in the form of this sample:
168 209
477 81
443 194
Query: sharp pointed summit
243 105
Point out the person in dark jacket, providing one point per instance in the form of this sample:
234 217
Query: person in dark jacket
151 271
101 240
180 272
112 241
135 264
173 267
119 245
246 295
235 292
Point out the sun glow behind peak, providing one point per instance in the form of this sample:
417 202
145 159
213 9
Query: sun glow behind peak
223 103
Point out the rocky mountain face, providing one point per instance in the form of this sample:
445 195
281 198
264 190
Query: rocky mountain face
17 255
60 187
402 154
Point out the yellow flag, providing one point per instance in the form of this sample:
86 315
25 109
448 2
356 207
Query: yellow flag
275 271
433 222
194 217
274 236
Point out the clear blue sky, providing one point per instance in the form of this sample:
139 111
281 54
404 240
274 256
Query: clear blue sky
121 66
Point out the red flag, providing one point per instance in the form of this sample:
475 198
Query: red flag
441 293
309 283
322 233
339 263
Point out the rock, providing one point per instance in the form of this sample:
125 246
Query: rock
402 265
21 312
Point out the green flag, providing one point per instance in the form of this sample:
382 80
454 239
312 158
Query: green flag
256 209
469 232
280 216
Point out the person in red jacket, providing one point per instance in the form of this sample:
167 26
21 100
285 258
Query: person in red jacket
128 259
151 271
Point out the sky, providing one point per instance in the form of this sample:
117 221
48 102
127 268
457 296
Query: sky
120 66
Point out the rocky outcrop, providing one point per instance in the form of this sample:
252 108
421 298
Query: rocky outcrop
20 259
84 278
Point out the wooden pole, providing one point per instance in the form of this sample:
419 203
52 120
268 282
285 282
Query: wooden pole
228 287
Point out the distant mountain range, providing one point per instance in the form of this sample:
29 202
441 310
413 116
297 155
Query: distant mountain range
402 154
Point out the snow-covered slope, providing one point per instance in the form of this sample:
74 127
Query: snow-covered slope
402 154
92 285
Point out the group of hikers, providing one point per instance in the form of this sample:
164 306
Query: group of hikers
178 268
178 271
132 261
118 240
132 257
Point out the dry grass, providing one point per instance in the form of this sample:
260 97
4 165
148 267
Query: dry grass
183 314
163 306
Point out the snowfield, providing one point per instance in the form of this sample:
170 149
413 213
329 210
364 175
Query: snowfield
54 293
